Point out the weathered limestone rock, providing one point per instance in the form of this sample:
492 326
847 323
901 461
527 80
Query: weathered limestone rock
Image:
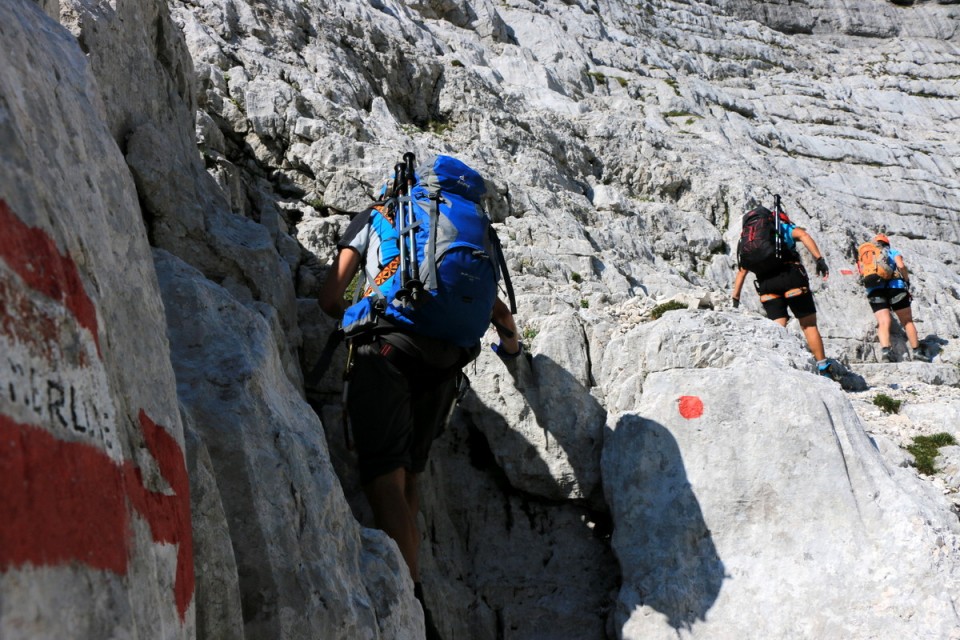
742 515
219 612
543 425
305 566
95 531
146 78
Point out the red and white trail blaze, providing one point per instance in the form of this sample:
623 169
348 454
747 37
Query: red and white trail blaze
68 494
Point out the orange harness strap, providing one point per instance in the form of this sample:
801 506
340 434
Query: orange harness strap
790 293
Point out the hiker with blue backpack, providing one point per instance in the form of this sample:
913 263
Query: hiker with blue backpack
768 249
429 264
887 281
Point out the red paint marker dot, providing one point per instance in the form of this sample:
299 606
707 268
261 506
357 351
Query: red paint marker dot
691 407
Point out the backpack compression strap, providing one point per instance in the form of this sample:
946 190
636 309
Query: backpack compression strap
431 248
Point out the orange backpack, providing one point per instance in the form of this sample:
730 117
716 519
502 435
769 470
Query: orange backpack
874 265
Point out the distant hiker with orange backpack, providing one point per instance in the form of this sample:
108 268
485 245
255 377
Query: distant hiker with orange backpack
768 249
429 265
885 276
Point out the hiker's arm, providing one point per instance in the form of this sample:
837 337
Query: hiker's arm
341 273
738 283
902 269
806 239
504 324
802 236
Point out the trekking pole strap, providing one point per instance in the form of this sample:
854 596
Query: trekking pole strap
502 264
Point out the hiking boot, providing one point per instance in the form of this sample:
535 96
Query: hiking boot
920 354
824 366
886 355
831 369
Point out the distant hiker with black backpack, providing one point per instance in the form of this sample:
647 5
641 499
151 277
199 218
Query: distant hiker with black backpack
429 264
768 249
887 281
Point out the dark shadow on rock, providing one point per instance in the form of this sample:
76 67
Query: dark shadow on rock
933 344
666 551
539 564
850 380
571 418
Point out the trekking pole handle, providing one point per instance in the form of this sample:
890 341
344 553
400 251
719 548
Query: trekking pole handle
409 159
399 177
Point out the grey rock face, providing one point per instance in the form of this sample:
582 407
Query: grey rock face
303 563
743 503
621 143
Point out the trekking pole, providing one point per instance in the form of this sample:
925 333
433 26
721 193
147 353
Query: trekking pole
776 225
413 263
345 415
399 183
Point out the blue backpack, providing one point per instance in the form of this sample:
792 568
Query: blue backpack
448 261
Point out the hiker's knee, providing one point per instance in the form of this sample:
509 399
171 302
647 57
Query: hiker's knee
386 490
883 318
905 316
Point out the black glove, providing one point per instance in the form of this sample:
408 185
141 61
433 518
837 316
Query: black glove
822 269
736 302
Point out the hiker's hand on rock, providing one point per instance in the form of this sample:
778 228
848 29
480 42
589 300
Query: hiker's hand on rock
822 269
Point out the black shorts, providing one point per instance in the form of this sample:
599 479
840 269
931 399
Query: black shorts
889 298
395 414
789 289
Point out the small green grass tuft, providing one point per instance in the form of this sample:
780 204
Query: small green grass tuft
661 309
676 114
887 404
925 449
598 77
584 304
576 277
529 333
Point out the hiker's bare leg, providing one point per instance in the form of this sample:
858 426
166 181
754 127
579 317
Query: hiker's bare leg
883 326
905 316
412 495
781 321
387 495
812 334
